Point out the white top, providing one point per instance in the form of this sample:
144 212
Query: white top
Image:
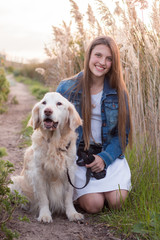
96 121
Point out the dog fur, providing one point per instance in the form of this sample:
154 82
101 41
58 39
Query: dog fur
43 179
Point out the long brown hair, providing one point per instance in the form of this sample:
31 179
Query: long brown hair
116 81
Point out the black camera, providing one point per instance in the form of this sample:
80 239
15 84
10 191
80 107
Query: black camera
86 157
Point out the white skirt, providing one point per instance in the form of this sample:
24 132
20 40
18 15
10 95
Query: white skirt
118 176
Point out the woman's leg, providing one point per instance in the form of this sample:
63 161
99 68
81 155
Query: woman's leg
92 202
116 198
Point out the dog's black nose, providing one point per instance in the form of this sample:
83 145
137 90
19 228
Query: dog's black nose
48 111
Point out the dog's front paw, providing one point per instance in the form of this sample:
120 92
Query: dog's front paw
75 216
45 216
45 219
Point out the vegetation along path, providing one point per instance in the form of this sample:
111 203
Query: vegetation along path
10 138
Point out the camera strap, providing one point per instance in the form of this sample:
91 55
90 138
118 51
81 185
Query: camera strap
88 176
94 149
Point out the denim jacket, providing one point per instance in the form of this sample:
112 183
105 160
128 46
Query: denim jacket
111 147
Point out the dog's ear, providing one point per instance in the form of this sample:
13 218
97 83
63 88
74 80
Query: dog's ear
74 119
34 120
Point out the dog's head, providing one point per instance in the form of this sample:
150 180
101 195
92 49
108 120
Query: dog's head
54 111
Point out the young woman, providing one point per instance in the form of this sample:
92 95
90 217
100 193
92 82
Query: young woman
101 98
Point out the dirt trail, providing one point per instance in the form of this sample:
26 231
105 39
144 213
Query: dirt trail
10 138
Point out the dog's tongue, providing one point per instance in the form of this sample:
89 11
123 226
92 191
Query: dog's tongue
48 123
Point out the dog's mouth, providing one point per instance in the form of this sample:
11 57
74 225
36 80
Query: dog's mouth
50 124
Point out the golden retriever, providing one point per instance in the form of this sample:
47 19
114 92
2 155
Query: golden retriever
43 179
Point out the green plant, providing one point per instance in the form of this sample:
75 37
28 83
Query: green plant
26 133
8 201
28 71
14 100
10 69
3 152
139 217
39 92
4 89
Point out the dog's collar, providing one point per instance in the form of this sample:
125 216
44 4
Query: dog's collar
66 148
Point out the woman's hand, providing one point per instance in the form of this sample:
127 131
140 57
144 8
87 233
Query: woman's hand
97 165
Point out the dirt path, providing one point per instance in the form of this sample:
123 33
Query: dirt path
10 138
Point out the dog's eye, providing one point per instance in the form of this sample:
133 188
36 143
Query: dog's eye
44 102
59 103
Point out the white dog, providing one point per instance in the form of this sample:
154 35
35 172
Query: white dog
43 179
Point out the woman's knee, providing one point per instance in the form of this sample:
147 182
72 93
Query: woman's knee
116 198
92 203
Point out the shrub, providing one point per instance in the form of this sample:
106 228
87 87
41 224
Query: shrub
10 69
28 71
8 201
4 89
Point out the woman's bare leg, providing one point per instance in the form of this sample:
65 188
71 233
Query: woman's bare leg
116 198
92 202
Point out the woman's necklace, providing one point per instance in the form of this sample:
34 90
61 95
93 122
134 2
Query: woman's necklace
96 90
95 99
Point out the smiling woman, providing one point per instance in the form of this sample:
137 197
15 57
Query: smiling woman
108 124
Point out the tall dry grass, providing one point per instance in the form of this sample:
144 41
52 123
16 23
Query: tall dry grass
140 54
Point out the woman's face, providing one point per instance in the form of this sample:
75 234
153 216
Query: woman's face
100 61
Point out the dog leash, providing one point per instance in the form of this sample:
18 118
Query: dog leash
88 176
65 150
88 172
